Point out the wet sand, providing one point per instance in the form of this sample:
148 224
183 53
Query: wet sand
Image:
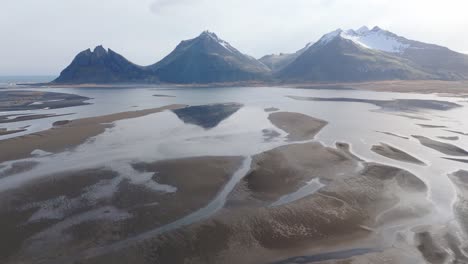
6 119
346 210
431 126
271 109
4 131
445 148
457 132
31 100
454 138
460 180
458 160
402 86
392 134
74 217
399 105
394 153
91 215
300 127
163 95
67 136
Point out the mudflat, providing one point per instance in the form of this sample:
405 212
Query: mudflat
67 213
445 148
395 153
300 127
69 135
351 204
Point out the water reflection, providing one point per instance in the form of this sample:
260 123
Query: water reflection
207 116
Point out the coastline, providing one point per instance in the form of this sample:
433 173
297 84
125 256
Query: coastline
459 88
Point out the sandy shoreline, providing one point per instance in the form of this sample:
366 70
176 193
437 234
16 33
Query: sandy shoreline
459 88
69 135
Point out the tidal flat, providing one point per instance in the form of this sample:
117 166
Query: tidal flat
233 175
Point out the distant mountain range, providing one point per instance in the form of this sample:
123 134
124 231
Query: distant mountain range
339 56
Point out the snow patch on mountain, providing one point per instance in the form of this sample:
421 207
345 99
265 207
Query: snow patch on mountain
330 36
221 42
376 38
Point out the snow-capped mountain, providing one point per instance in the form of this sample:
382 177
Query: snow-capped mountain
414 59
341 55
335 58
205 59
376 38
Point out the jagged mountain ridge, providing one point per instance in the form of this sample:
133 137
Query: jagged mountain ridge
351 55
102 66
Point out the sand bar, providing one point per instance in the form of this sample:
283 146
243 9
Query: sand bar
70 135
299 126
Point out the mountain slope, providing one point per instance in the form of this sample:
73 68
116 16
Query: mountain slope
102 66
436 60
208 59
277 62
336 58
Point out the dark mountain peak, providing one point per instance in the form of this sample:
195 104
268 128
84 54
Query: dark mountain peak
376 29
102 66
206 59
362 30
100 50
209 34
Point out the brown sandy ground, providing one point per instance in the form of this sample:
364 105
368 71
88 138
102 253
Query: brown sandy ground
69 135
86 223
4 131
354 202
18 167
394 153
300 127
445 148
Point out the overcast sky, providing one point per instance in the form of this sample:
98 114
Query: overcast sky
41 37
